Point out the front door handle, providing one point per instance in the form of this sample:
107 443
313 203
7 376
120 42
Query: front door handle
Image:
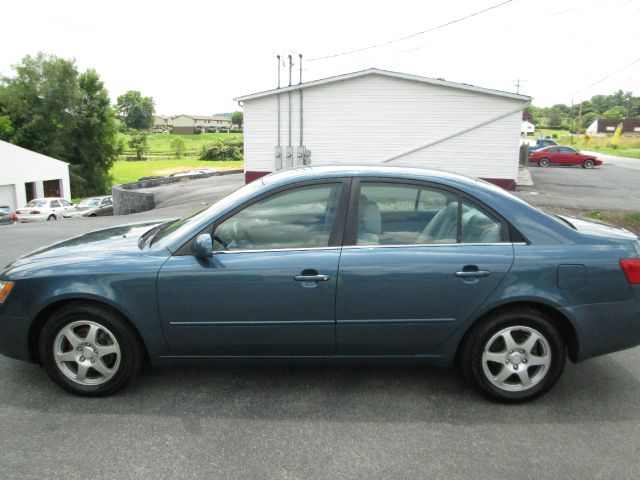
311 275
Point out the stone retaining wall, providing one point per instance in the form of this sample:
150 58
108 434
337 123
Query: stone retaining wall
127 197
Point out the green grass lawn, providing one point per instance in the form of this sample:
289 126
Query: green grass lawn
159 143
627 146
124 171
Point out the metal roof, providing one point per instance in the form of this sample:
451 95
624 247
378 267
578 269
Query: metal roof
386 73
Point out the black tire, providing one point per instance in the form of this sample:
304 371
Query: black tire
521 324
112 332
589 163
544 162
51 217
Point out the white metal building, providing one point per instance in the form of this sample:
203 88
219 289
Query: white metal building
376 116
25 175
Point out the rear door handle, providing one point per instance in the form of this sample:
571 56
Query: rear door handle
473 274
311 278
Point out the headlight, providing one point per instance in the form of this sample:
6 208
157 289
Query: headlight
5 288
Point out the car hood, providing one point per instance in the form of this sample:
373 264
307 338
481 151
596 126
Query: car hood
601 229
90 246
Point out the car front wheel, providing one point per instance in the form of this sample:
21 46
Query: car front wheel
544 162
89 350
589 163
514 355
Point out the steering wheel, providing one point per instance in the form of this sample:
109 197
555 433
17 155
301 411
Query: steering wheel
224 244
241 235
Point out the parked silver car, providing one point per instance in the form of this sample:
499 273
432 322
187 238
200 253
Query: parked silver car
92 207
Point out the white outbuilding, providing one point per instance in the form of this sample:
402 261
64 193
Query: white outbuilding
381 117
25 175
527 128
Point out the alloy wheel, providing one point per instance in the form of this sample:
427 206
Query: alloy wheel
516 358
86 352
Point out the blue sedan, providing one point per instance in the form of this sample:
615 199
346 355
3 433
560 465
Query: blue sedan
341 264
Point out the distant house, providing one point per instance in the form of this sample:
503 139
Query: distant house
25 175
163 121
188 124
605 127
527 128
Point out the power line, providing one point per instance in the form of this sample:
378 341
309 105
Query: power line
605 78
412 35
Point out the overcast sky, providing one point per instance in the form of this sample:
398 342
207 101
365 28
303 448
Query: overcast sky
194 57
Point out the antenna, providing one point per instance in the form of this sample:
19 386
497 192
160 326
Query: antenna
290 67
278 57
517 84
300 55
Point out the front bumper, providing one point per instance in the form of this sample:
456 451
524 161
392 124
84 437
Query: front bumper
14 337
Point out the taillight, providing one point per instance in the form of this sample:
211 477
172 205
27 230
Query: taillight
35 212
14 217
631 267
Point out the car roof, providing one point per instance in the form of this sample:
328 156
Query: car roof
400 172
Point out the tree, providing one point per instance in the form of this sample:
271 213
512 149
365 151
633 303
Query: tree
54 110
95 145
138 142
40 101
555 119
225 149
178 147
135 110
6 128
616 113
589 118
237 118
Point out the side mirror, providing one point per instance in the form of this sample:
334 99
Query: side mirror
203 246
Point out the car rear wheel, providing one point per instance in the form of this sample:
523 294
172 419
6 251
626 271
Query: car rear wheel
51 217
514 355
589 163
89 350
544 162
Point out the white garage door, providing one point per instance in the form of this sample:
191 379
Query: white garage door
8 195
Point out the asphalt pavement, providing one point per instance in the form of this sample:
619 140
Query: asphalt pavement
260 422
615 185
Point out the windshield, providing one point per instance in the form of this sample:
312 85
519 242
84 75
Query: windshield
5 210
89 203
37 203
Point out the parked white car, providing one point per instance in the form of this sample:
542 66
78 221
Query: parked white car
38 209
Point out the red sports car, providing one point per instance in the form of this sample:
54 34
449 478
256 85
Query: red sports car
562 156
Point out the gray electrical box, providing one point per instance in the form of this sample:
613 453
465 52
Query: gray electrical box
278 157
289 160
303 155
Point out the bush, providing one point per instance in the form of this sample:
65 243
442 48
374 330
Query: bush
224 149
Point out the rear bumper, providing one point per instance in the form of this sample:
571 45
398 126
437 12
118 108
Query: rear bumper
26 218
606 327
